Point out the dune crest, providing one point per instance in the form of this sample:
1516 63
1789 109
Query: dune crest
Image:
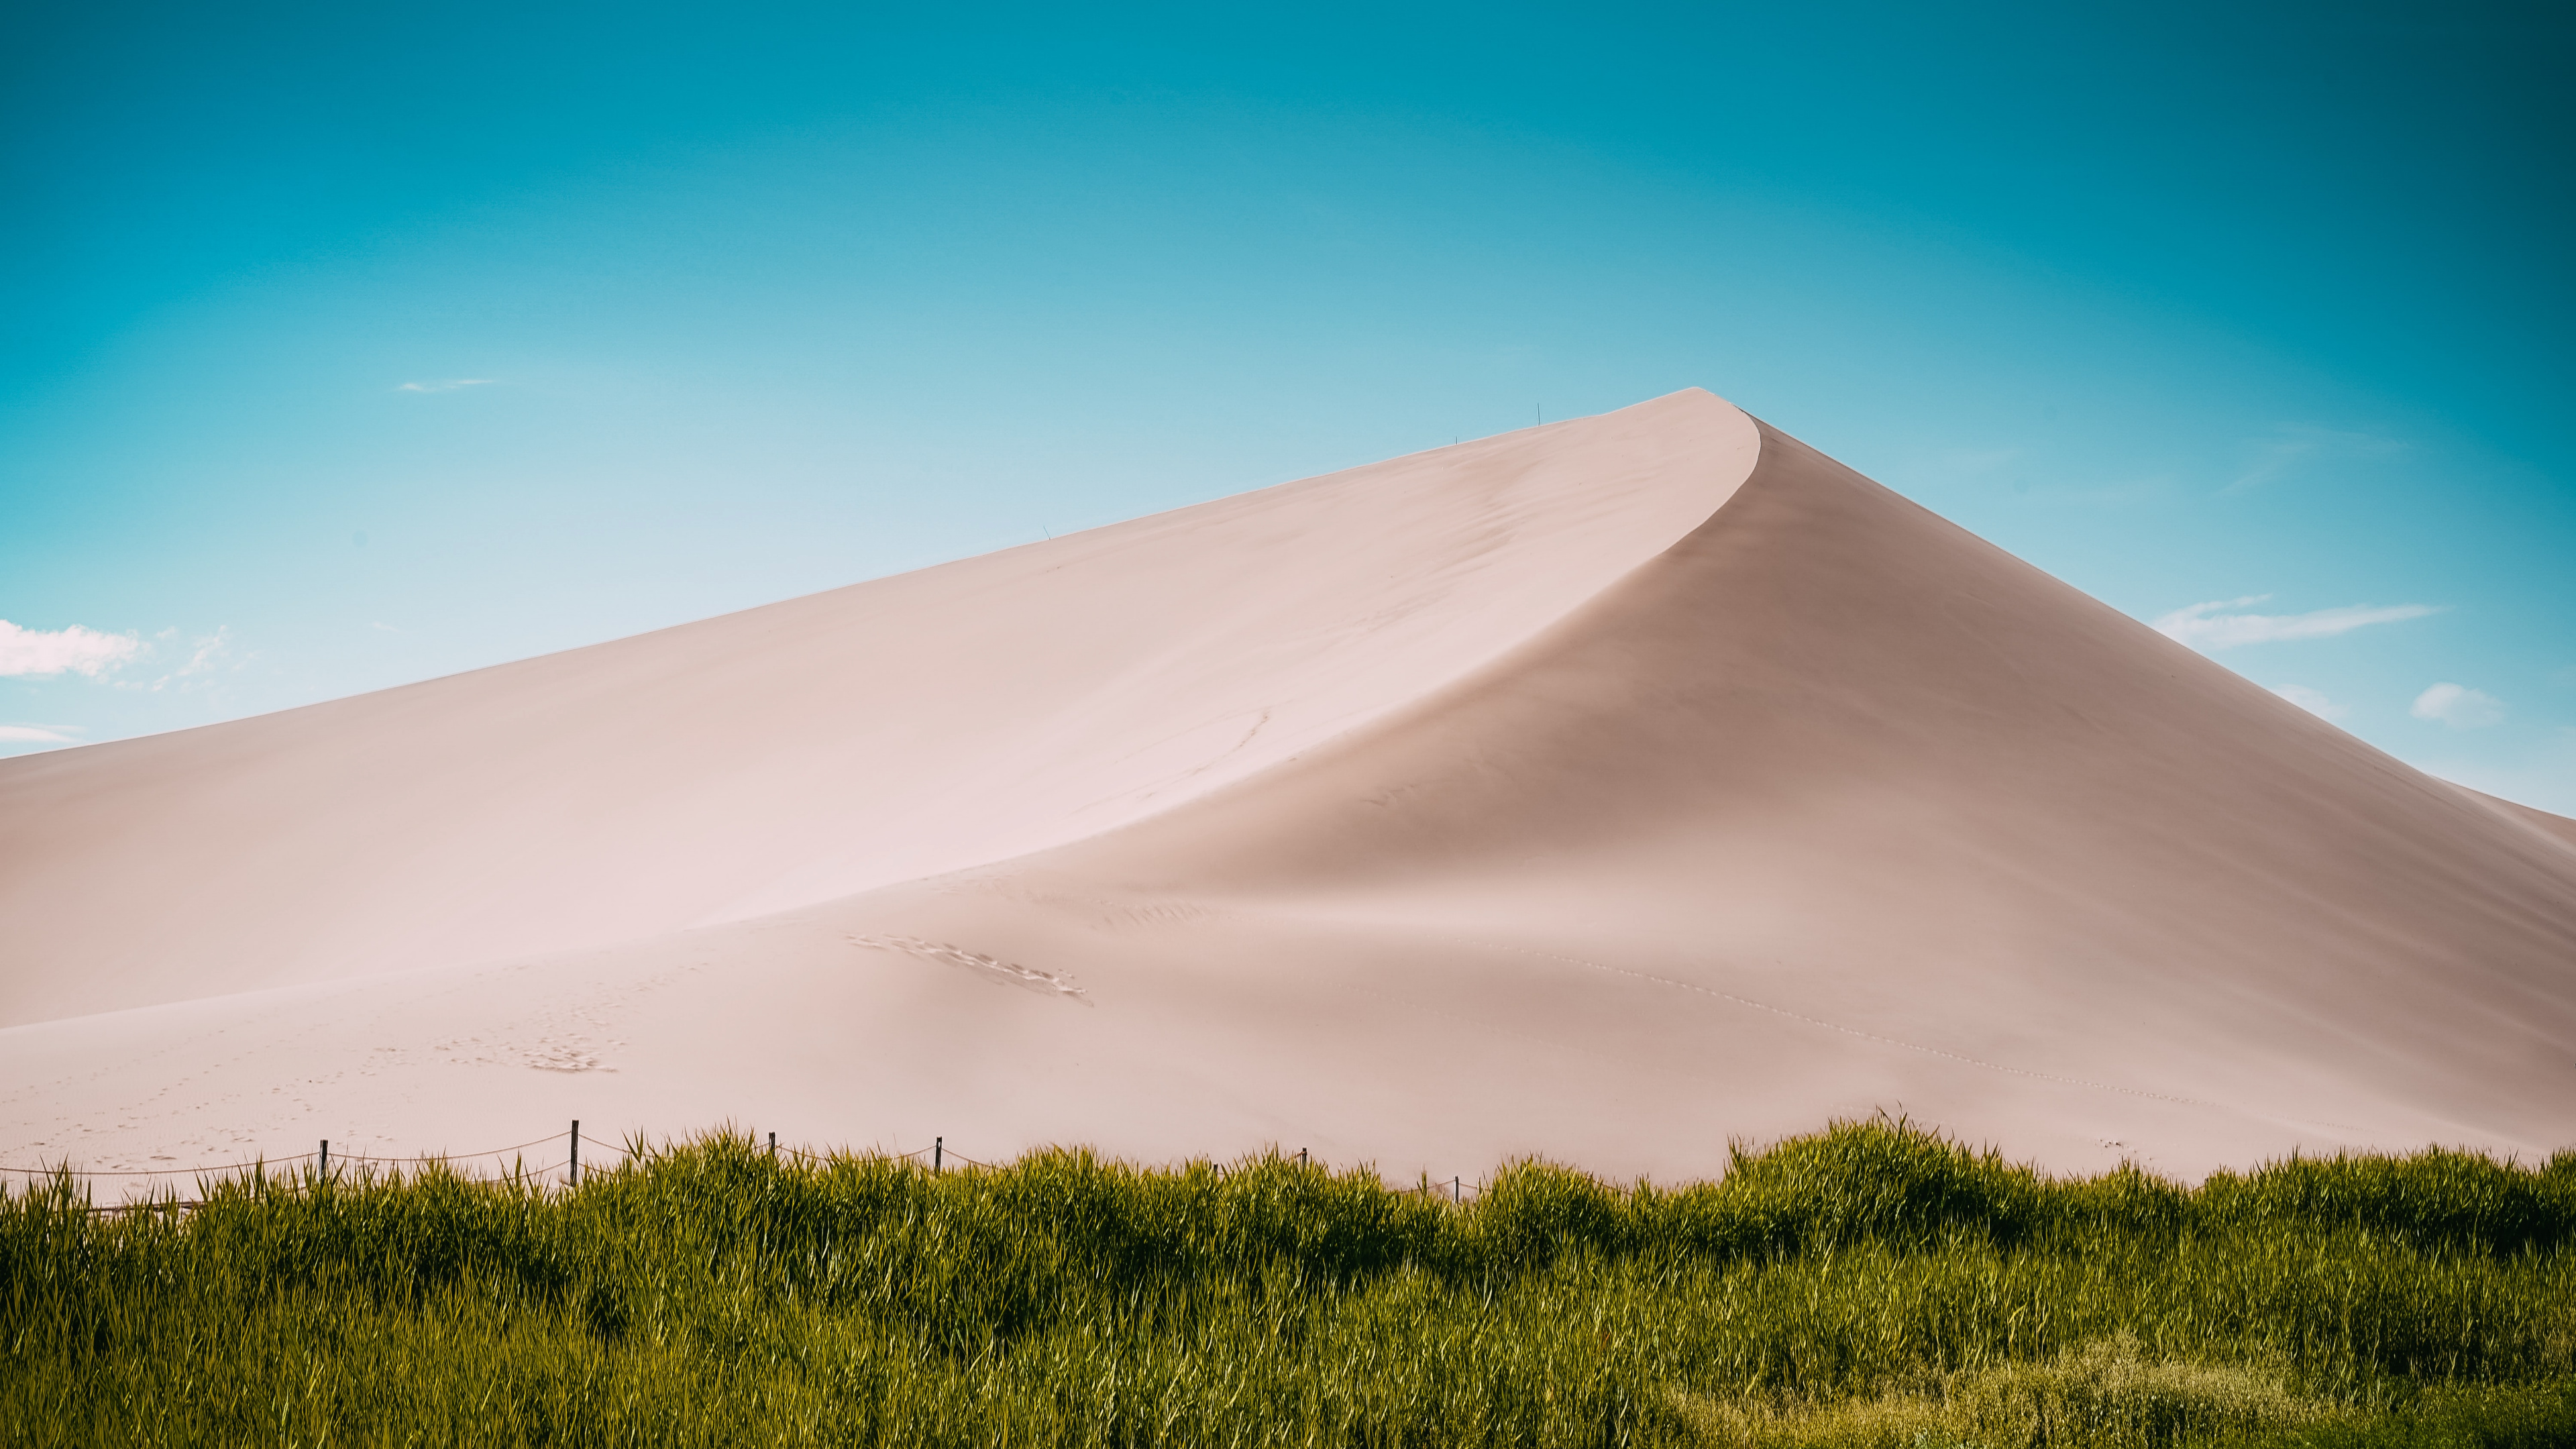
1604 790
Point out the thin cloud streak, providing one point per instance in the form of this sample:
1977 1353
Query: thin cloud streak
2294 445
35 735
2212 626
449 385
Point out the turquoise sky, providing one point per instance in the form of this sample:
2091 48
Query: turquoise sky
352 345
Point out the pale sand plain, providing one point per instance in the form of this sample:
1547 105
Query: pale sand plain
1606 791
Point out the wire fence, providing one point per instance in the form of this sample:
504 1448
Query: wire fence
578 1149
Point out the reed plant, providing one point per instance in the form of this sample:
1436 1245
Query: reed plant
1873 1284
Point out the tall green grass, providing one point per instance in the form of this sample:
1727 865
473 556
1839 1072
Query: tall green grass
1873 1284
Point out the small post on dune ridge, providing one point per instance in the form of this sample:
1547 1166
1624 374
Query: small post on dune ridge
938 1150
1455 1188
326 1157
1301 1157
576 1152
773 1147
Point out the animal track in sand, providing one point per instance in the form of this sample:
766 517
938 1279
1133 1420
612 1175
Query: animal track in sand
990 968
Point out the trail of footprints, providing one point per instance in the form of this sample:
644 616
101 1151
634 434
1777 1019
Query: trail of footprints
561 1045
989 967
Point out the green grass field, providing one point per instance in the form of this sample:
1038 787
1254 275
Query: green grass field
1869 1285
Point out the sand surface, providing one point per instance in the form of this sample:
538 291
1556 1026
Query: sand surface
1604 790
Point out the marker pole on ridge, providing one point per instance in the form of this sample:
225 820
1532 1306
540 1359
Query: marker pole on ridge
576 1152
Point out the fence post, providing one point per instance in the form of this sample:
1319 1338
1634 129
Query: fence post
938 1149
326 1157
1454 1190
773 1147
1301 1157
576 1152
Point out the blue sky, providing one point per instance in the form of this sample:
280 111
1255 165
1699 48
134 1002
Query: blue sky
346 346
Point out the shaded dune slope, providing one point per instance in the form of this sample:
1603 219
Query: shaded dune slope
1835 755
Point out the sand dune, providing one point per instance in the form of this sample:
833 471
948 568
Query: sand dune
1602 790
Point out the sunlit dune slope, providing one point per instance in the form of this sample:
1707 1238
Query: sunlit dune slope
1602 791
810 749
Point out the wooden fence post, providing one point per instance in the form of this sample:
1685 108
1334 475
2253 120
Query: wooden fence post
576 1152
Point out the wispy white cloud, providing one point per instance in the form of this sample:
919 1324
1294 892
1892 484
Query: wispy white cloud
73 650
2458 706
207 653
445 385
2294 444
2215 625
200 657
2314 701
39 734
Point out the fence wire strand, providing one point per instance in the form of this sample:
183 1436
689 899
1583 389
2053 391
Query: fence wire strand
1455 1191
